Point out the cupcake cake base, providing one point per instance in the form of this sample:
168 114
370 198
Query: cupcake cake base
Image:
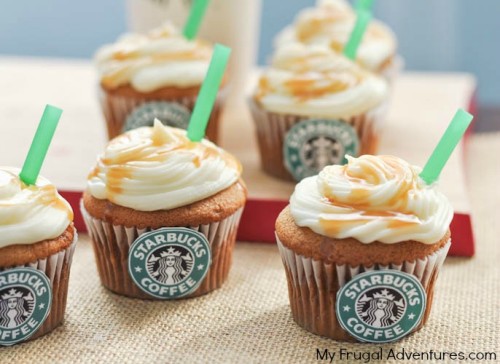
318 267
56 266
114 229
272 129
112 245
125 109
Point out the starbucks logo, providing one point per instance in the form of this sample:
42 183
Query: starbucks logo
169 263
169 113
25 299
311 145
381 306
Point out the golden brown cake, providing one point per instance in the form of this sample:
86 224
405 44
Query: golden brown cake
30 308
371 215
313 106
113 101
130 195
157 75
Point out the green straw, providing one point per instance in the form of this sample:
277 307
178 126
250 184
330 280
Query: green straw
364 5
446 145
208 93
193 22
40 144
352 45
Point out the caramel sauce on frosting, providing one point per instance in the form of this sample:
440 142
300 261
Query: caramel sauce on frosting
159 168
330 23
315 81
30 213
150 61
372 198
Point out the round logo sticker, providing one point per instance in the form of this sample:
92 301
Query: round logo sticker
311 145
169 113
169 263
25 299
381 306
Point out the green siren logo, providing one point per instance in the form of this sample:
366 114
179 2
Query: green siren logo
381 306
169 113
311 145
169 263
25 299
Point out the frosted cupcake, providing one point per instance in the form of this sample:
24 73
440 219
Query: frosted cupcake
351 228
37 240
157 75
163 213
330 23
311 107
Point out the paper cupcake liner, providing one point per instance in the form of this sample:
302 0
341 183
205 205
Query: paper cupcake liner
272 129
112 243
313 287
57 268
117 108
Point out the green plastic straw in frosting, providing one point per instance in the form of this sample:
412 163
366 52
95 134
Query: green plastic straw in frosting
40 144
208 93
352 45
195 17
446 145
364 5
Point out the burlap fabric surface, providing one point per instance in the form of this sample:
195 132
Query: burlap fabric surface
249 319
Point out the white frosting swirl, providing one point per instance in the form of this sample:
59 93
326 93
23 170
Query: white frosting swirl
159 168
30 214
315 81
158 59
331 23
372 198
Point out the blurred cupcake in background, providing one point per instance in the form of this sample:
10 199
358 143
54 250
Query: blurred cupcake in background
313 106
330 23
156 75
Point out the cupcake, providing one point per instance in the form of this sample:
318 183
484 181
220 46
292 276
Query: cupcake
330 23
163 213
157 75
311 107
362 245
37 240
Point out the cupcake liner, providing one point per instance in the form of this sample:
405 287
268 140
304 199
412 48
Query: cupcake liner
57 268
117 108
112 243
313 287
272 129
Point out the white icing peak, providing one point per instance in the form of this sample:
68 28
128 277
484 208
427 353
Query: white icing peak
161 58
372 198
159 168
30 214
330 23
318 82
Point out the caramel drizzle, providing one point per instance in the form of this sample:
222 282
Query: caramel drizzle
131 60
119 169
305 88
50 198
360 210
319 22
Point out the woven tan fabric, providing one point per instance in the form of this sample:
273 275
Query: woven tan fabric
249 319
